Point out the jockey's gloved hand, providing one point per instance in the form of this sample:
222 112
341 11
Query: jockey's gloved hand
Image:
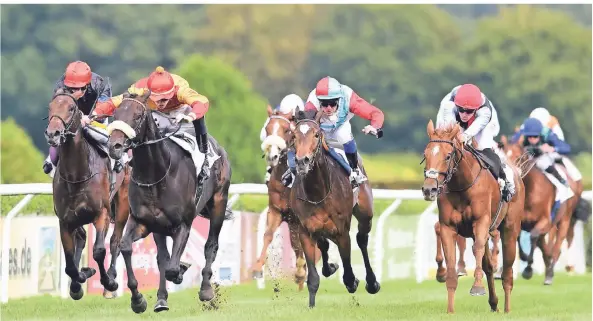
466 139
368 129
188 118
85 120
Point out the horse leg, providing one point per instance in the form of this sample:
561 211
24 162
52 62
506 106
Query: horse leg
312 276
73 245
162 258
301 263
134 232
489 267
273 221
480 242
539 230
220 200
560 236
122 209
350 281
441 271
547 256
448 238
99 252
364 216
570 253
173 272
509 235
461 244
328 269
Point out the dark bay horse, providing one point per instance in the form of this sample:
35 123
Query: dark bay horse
279 132
164 196
324 202
470 208
83 194
537 218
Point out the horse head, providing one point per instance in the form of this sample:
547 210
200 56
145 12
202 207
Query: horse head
64 117
279 131
308 139
130 124
442 155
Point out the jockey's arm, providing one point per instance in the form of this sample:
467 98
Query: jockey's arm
199 103
560 146
446 114
108 106
483 116
364 109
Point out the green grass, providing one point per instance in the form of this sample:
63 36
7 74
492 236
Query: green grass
568 299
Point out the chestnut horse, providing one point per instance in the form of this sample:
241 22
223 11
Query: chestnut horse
84 192
471 207
537 219
278 132
324 202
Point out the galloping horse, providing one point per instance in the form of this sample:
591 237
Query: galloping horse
540 195
279 132
323 200
165 197
85 191
471 207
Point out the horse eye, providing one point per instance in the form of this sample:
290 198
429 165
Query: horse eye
448 157
317 135
71 108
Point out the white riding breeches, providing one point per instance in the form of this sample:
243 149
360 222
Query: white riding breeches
546 160
338 137
572 170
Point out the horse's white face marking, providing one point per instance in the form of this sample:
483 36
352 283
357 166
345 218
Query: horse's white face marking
435 150
304 129
275 129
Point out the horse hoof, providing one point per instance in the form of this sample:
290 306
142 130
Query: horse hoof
183 266
441 278
548 281
258 274
372 287
172 275
161 305
354 287
477 291
332 268
461 272
109 294
110 285
88 272
206 295
140 306
77 295
527 274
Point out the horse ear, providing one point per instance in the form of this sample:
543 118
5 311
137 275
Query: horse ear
521 140
318 116
146 94
430 128
503 140
269 110
455 131
299 114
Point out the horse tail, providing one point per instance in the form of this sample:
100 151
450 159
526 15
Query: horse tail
583 210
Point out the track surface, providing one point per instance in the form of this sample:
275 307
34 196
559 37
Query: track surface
568 299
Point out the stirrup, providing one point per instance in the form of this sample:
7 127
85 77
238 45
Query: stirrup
118 166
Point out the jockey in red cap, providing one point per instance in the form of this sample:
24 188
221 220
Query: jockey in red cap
475 113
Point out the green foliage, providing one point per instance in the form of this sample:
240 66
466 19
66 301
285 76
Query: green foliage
20 160
235 116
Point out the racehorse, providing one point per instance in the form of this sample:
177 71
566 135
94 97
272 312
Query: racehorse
537 219
165 196
85 191
442 271
324 202
471 207
279 131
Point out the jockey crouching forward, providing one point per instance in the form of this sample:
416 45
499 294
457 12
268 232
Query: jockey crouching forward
287 108
474 112
171 94
339 103
88 88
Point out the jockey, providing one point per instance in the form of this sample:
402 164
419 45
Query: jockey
544 145
171 94
79 78
339 103
287 106
475 113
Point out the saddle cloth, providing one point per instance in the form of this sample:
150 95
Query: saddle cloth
188 143
562 192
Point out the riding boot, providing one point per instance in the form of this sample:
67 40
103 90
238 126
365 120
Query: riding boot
355 178
552 170
268 174
51 161
286 178
202 138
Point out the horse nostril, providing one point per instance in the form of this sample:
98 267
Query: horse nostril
306 159
275 157
117 146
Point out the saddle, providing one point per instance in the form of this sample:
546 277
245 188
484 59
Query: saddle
488 159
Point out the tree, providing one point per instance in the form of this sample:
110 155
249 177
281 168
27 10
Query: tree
528 57
20 160
236 113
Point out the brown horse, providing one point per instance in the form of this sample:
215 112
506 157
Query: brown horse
324 202
278 133
83 193
470 208
442 271
537 218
